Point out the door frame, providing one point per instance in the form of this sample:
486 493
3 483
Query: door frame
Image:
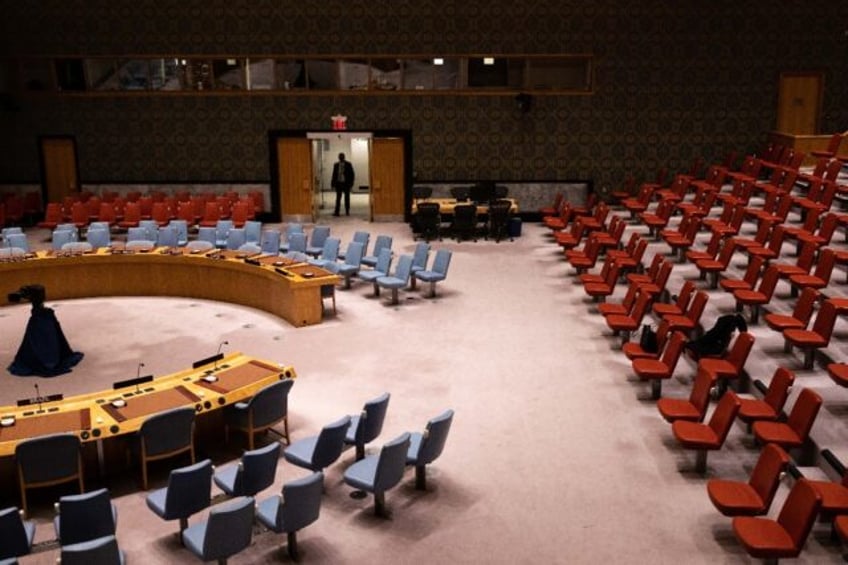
42 163
819 76
274 135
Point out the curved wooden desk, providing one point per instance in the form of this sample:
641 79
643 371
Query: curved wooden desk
93 417
287 291
446 205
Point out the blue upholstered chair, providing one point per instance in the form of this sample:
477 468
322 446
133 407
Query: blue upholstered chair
262 411
84 517
166 435
396 281
297 247
381 269
188 492
328 255
291 229
254 473
252 231
207 233
100 551
222 229
317 452
378 473
366 427
316 240
167 236
359 237
352 261
382 242
61 237
98 237
48 460
270 242
16 534
151 229
182 230
438 272
297 507
139 233
235 238
424 448
228 530
18 240
10 230
419 261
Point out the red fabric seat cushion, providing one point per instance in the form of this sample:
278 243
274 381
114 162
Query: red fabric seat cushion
733 498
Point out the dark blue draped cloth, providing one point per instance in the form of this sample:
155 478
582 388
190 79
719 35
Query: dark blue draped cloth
44 351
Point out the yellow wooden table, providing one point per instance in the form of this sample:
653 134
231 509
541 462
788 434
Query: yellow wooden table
446 205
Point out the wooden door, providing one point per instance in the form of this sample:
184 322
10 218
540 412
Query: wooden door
387 179
294 158
799 102
60 177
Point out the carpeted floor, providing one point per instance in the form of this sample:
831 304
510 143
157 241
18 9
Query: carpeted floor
556 454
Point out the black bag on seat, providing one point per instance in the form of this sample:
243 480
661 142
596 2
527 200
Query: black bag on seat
648 339
715 341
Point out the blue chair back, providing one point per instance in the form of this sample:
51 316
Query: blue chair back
252 231
370 422
297 242
189 490
270 404
18 240
167 431
84 517
61 237
420 256
229 529
15 536
318 236
182 230
300 504
235 238
355 251
382 242
207 233
330 443
435 436
442 261
330 252
139 233
270 242
151 227
167 236
391 463
257 470
48 458
404 267
384 260
11 229
98 237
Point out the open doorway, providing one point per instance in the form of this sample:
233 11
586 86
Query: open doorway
326 147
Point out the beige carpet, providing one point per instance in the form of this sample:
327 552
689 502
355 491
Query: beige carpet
555 456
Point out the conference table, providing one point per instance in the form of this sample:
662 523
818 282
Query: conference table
283 287
113 413
447 205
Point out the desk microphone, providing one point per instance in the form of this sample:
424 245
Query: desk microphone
38 397
138 377
222 344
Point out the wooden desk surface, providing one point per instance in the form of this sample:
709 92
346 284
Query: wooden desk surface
287 291
446 205
93 417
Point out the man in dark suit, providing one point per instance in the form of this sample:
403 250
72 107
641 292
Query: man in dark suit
342 182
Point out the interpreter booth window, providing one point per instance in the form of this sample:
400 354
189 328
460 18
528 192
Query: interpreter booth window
322 74
495 72
70 75
290 74
165 74
354 74
228 74
37 75
385 74
436 73
559 73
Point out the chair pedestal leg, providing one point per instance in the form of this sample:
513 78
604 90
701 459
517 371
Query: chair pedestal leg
432 290
376 290
656 388
420 477
701 461
380 504
625 337
809 357
291 538
787 346
394 296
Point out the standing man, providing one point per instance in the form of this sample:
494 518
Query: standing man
342 182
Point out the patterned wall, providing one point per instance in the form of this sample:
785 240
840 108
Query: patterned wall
674 81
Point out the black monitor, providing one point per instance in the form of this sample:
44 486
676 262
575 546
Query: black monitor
132 382
213 359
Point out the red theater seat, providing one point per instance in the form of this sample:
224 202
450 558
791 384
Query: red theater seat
734 498
771 405
708 437
796 429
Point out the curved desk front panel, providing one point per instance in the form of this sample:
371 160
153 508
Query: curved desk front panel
283 291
